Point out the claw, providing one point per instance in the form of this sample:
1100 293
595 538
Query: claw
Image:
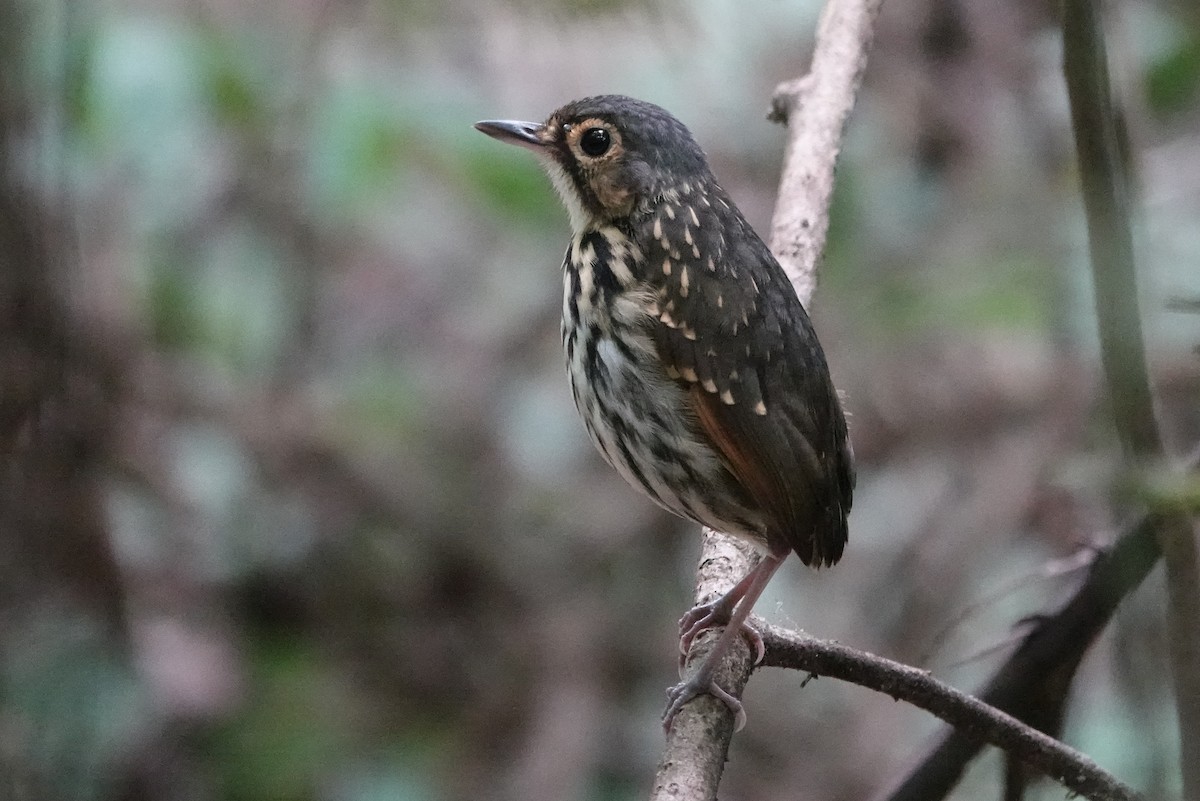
756 642
708 616
685 691
697 619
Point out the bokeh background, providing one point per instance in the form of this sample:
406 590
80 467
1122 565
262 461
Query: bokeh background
296 505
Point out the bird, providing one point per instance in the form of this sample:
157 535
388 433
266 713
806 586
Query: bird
694 365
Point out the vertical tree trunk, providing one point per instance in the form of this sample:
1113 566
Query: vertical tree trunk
60 594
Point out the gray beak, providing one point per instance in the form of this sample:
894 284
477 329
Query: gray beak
524 134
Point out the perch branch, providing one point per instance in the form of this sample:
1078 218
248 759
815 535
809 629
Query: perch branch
815 109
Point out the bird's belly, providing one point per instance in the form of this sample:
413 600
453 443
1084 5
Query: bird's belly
640 420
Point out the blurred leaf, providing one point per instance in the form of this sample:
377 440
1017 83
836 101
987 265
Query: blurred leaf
1010 293
1169 490
381 404
75 708
229 301
296 729
1172 81
233 91
358 142
145 88
510 181
78 81
384 782
174 320
844 221
613 788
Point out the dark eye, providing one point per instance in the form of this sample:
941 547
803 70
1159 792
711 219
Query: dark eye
595 141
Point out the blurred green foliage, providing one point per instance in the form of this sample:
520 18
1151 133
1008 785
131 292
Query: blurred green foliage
1173 80
297 727
90 706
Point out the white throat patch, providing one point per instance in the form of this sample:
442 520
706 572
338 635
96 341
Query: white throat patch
565 187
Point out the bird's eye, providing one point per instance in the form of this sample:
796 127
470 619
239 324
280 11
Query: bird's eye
595 141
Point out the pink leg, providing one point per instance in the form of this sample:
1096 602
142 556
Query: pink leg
715 614
744 594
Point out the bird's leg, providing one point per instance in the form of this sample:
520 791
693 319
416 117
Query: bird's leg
744 594
718 613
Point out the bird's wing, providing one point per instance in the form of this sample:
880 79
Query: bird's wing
731 329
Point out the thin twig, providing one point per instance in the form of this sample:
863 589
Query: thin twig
1082 558
975 719
816 109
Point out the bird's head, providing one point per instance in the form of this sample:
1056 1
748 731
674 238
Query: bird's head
607 154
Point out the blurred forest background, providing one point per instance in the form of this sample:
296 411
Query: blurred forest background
295 503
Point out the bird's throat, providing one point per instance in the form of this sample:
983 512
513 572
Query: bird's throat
564 184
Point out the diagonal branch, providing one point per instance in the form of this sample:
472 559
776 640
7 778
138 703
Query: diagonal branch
816 108
967 714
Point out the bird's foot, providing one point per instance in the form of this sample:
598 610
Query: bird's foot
700 684
711 615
